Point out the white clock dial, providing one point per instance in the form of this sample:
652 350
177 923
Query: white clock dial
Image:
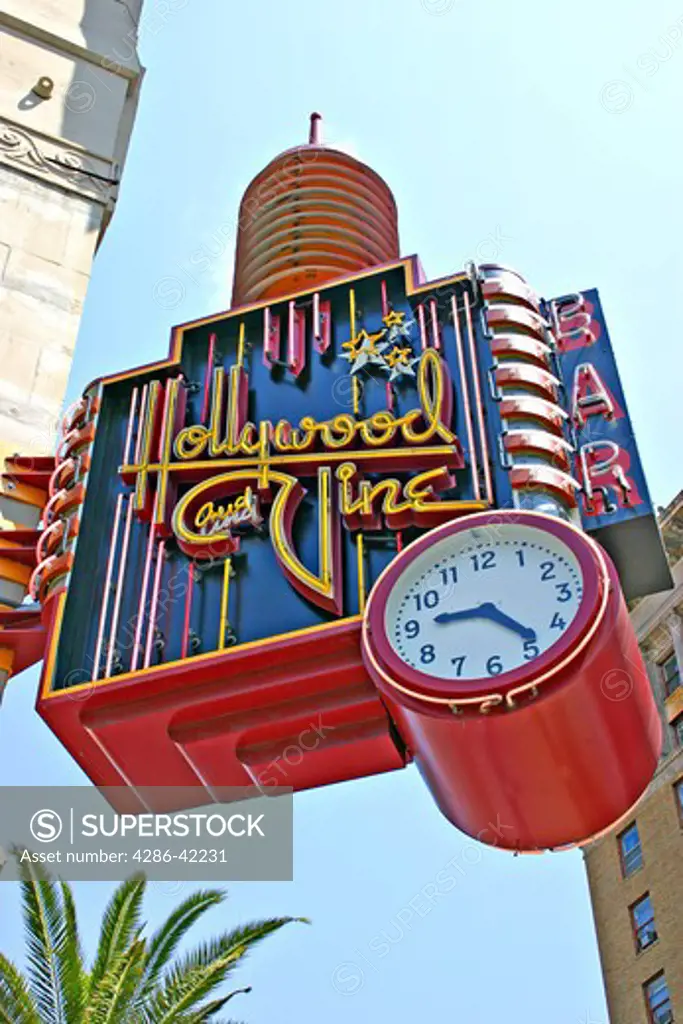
484 601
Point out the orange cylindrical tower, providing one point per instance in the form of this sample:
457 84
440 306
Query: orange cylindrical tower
313 214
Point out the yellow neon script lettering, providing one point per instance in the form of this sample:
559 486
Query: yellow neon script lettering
417 493
418 426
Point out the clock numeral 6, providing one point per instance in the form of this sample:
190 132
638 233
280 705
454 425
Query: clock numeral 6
494 666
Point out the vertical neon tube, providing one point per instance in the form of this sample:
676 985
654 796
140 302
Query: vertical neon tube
141 421
188 611
316 320
155 602
478 400
421 322
356 395
119 589
225 594
360 553
385 300
467 409
291 327
208 376
436 339
137 645
129 430
107 587
240 345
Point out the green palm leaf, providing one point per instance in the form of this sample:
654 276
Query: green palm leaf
165 941
43 921
111 1002
73 979
188 989
241 939
17 1005
120 926
131 982
204 969
209 1010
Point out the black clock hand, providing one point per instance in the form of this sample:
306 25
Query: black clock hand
466 613
489 611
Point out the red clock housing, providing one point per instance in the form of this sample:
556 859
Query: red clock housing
549 754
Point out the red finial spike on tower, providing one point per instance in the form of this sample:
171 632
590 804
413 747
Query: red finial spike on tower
314 133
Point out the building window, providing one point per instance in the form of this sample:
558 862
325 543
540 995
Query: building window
678 790
671 676
658 1001
677 726
643 920
630 850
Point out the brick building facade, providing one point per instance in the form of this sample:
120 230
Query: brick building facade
635 873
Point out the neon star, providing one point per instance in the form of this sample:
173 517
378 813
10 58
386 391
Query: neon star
393 319
399 328
365 349
399 355
354 346
401 362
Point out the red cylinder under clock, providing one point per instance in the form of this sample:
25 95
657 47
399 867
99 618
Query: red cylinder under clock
503 648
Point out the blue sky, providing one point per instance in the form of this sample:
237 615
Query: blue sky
537 135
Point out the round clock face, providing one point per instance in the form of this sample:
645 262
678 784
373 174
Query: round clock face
484 601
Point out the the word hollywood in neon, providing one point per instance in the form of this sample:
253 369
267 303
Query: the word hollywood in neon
239 468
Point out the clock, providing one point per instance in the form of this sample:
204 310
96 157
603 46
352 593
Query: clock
485 600
503 649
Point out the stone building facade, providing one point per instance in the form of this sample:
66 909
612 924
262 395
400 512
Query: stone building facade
69 84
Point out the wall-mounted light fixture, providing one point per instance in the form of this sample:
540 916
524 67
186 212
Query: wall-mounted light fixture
43 88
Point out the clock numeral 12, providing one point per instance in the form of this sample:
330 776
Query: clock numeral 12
487 560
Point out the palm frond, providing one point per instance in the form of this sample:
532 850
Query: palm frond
120 926
17 1005
183 992
112 1001
73 980
241 939
206 967
209 1010
165 941
43 925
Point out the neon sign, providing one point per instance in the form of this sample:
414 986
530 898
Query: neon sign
238 502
